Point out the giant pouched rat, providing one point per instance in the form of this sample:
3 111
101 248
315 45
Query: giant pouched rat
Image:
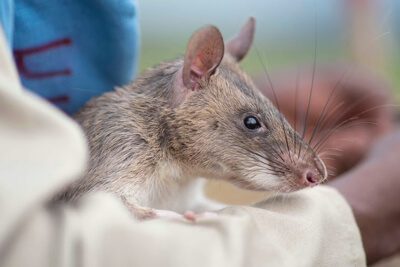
196 116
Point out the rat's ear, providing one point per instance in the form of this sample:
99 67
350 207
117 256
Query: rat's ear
239 45
204 53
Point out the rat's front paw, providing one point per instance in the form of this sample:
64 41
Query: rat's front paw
139 212
149 214
190 215
142 213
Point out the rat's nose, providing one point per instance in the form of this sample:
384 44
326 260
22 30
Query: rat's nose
314 173
311 178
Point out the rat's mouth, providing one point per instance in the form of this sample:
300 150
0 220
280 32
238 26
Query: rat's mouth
302 178
297 177
289 186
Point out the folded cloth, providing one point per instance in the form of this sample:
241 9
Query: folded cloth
70 51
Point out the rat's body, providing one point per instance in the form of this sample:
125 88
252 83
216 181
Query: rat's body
197 116
133 159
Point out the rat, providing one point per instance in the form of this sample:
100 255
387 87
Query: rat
198 115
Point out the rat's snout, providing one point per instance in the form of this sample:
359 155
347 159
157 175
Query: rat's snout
314 174
307 171
311 178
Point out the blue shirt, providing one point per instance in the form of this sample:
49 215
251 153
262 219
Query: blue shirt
68 51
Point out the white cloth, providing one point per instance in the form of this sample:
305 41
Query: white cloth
41 150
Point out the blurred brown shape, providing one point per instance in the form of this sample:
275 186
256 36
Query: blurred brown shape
360 101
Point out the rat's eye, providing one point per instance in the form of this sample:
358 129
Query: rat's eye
251 123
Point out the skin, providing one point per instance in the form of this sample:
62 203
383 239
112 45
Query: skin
373 191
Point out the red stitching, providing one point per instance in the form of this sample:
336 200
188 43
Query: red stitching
59 98
19 55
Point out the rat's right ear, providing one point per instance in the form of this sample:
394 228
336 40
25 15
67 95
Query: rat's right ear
239 45
204 53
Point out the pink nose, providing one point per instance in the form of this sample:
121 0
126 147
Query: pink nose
311 178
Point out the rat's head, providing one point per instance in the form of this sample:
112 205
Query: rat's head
225 128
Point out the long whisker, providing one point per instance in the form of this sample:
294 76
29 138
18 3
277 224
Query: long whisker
328 116
313 73
270 163
261 156
341 115
335 129
276 101
275 169
351 119
344 126
321 122
323 110
295 108
273 164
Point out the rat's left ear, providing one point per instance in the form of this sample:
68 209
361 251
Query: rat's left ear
204 53
239 45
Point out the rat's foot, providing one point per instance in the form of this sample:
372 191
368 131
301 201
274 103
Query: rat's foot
190 215
139 212
142 213
149 213
145 213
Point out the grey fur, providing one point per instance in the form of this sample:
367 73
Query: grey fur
143 147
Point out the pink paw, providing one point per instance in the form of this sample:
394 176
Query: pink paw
190 215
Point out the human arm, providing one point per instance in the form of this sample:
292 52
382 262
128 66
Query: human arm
373 191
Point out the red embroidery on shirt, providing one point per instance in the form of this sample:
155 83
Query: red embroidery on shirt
58 99
19 55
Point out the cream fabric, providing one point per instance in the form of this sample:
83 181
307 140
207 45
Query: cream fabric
41 150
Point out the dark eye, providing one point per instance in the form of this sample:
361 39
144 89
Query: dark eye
251 123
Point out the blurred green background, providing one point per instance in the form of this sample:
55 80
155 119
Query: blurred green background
364 32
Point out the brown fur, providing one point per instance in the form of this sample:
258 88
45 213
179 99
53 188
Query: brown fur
152 136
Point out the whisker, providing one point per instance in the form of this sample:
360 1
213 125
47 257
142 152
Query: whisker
342 114
352 118
275 164
323 110
282 165
313 73
295 108
277 103
344 126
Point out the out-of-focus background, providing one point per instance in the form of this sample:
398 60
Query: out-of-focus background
289 33
365 30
